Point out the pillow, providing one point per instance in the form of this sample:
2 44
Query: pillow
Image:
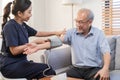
112 44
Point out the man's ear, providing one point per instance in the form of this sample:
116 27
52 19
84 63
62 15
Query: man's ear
90 22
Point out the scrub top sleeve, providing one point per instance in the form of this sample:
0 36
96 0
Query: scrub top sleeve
11 35
30 30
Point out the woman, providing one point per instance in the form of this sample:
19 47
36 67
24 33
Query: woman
15 36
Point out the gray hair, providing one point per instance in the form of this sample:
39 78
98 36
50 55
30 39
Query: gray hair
90 14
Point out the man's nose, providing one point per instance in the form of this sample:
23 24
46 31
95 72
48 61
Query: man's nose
79 25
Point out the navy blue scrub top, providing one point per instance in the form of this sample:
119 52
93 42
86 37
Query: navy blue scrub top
15 34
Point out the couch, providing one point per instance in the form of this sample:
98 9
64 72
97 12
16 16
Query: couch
60 58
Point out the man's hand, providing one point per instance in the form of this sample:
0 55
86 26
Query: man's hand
103 73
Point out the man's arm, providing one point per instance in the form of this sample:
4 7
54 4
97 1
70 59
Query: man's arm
106 59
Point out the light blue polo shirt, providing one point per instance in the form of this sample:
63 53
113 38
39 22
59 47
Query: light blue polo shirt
87 50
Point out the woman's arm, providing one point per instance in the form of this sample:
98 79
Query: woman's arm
15 50
45 34
29 47
52 42
33 47
39 41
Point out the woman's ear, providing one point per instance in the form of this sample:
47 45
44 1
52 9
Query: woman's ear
19 13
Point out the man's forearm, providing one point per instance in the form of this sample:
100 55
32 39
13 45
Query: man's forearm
107 59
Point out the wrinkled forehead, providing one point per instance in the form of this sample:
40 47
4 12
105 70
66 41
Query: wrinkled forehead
82 15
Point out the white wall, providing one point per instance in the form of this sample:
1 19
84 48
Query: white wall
0 7
0 14
38 19
52 15
57 16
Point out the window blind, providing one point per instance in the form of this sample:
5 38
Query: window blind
111 17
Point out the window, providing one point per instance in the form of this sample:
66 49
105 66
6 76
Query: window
111 16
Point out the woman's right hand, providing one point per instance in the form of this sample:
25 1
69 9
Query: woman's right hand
59 33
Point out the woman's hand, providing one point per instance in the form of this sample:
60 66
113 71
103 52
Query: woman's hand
59 33
31 48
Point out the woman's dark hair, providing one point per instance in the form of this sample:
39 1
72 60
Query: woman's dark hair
18 5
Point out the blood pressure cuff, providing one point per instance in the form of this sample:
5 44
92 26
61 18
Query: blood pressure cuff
55 41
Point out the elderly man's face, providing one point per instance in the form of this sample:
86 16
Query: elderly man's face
82 22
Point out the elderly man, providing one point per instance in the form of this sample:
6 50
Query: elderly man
91 52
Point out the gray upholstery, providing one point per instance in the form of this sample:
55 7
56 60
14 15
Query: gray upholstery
112 43
117 56
60 59
115 75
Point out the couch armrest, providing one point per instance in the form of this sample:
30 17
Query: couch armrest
58 58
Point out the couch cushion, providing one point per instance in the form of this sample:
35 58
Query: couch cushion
112 43
117 55
58 58
62 70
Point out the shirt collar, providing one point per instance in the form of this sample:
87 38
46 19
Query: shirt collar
91 32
